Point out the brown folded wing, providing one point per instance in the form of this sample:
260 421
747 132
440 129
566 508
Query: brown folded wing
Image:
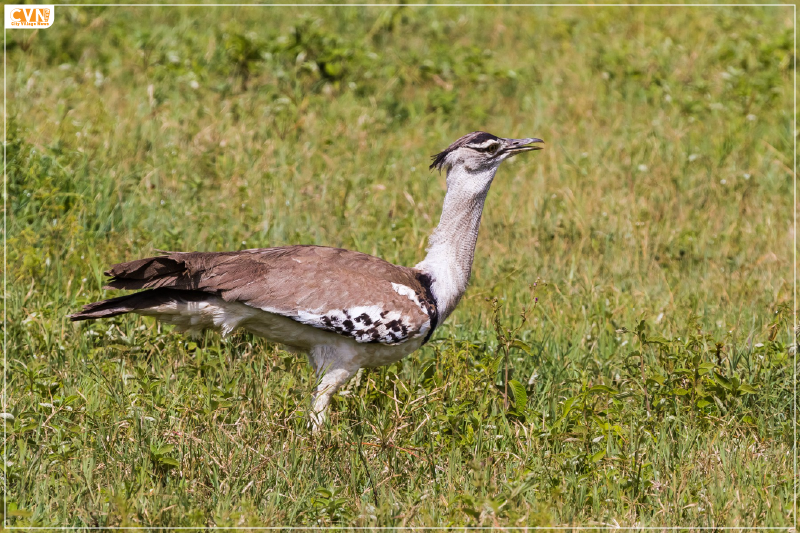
346 292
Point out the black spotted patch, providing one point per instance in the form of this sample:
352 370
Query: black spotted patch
367 324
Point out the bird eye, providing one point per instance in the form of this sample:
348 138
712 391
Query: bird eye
492 148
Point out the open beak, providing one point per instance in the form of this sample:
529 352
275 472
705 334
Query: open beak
517 146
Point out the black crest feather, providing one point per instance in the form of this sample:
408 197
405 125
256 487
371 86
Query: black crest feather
475 136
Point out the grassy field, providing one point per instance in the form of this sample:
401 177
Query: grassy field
650 385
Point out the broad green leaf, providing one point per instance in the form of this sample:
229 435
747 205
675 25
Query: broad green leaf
747 389
658 378
599 455
494 366
161 450
600 389
169 461
520 395
70 399
569 404
658 339
634 353
702 403
522 346
722 380
680 392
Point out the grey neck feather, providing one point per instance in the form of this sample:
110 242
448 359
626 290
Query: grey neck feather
451 247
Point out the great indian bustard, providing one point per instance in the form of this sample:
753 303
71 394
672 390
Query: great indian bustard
345 309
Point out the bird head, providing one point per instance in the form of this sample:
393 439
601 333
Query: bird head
478 151
474 158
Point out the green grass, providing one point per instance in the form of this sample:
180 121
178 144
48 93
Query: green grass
650 385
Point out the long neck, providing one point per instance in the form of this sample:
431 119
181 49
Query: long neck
451 247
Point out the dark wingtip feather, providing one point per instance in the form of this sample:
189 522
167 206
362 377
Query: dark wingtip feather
148 273
133 302
103 309
77 317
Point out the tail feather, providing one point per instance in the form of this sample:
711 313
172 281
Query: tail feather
135 302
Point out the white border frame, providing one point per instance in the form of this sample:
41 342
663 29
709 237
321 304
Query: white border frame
793 332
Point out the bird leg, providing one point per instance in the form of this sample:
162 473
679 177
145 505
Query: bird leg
333 371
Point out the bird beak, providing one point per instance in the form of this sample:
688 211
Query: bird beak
517 146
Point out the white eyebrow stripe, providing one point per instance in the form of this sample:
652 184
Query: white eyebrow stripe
484 144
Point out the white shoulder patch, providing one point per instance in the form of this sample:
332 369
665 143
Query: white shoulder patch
409 293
